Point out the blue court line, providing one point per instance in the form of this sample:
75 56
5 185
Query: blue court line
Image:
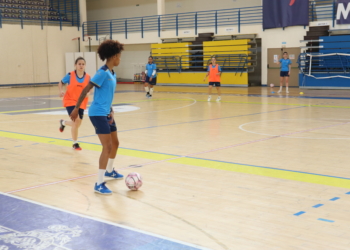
287 170
35 143
318 205
348 193
213 119
299 213
298 97
18 146
325 220
2 148
334 199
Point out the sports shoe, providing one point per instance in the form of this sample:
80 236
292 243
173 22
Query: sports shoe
209 98
279 91
102 189
61 126
76 146
287 91
218 99
114 175
147 94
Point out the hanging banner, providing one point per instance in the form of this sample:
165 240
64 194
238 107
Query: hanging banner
284 13
343 12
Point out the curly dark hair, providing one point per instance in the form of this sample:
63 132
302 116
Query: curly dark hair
109 48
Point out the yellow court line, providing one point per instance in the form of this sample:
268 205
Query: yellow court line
246 169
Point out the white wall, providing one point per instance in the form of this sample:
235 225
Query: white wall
133 58
114 9
32 55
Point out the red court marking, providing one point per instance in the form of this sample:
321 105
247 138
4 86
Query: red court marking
178 157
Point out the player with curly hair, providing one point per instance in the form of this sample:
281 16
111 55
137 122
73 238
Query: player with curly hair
101 112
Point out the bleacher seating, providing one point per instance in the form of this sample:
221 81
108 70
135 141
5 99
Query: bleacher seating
29 10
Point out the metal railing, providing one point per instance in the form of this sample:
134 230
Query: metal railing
66 13
237 63
237 17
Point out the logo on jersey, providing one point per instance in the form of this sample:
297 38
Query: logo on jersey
292 2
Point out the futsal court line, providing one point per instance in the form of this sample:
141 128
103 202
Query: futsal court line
175 99
204 120
105 221
315 178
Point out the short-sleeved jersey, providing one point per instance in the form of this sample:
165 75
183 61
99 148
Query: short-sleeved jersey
150 68
75 86
66 79
105 83
285 64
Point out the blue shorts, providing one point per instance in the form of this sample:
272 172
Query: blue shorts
284 74
70 110
216 84
102 126
153 82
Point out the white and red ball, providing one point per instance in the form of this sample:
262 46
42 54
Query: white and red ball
133 181
272 85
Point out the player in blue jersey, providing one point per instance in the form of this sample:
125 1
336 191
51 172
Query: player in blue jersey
285 64
151 76
101 112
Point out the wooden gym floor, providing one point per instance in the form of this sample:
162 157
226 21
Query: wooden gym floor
257 170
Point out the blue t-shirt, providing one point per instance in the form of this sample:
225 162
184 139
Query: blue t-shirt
285 64
150 68
66 79
213 67
105 82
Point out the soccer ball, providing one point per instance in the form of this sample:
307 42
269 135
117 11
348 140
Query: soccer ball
133 181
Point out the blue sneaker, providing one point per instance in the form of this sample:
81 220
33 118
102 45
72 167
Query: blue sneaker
114 175
102 189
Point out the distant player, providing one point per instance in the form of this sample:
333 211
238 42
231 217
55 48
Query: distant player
101 111
151 76
286 65
76 81
214 73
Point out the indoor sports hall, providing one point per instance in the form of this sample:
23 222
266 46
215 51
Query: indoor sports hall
232 115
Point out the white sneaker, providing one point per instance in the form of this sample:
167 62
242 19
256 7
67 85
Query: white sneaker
209 98
287 91
218 99
279 91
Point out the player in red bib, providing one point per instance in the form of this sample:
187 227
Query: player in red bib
76 81
214 73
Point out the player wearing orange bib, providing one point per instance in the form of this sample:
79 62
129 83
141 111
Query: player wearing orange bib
76 81
214 73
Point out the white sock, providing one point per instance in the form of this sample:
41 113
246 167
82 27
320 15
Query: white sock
75 142
110 165
100 176
287 88
64 123
151 91
147 89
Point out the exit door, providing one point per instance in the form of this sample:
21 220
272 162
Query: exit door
273 69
